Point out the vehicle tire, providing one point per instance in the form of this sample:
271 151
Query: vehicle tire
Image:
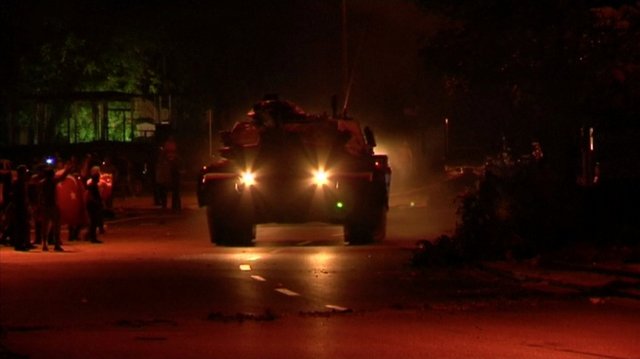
357 233
240 235
380 225
366 229
229 232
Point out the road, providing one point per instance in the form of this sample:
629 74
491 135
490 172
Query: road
157 288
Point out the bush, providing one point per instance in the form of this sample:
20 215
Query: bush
517 210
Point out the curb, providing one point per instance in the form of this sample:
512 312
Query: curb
612 285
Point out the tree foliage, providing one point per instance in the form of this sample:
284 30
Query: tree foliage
71 63
58 49
534 69
541 70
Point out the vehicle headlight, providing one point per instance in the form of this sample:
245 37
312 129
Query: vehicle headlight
248 178
320 178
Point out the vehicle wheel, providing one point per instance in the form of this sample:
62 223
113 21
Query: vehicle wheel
356 233
366 229
240 235
227 232
380 226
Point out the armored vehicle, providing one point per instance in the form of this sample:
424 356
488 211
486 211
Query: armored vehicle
282 165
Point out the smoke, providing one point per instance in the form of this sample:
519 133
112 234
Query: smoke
415 158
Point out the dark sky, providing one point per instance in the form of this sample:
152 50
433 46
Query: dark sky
293 48
236 51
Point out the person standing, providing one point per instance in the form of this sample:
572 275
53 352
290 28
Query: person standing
49 208
176 169
6 225
163 178
168 175
22 241
109 176
33 195
71 199
94 205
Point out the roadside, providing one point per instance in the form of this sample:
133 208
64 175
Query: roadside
583 270
129 207
599 282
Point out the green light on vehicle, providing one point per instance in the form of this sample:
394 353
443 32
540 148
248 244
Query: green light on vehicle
339 204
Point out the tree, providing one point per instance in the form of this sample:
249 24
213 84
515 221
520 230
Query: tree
533 69
61 49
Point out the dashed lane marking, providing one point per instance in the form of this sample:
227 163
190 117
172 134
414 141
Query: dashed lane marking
245 267
258 278
288 292
336 308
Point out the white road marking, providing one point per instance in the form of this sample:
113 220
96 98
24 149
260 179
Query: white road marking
288 292
258 278
245 267
336 308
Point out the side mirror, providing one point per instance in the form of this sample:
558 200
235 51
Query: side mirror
369 137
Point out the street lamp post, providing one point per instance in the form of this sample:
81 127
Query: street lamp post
446 138
210 119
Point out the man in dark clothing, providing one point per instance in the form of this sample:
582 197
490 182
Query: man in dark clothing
21 216
94 205
169 170
33 195
49 207
6 181
176 174
162 178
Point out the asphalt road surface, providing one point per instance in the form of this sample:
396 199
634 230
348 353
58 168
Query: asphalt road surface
156 288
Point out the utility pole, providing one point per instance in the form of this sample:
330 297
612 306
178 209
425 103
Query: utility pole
210 118
345 51
446 139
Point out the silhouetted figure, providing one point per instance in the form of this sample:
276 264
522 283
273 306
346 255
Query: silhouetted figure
21 216
94 205
175 165
163 178
49 208
6 181
169 169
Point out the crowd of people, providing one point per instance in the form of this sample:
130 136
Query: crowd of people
49 195
77 194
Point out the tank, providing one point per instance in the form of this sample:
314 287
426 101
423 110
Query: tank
282 165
